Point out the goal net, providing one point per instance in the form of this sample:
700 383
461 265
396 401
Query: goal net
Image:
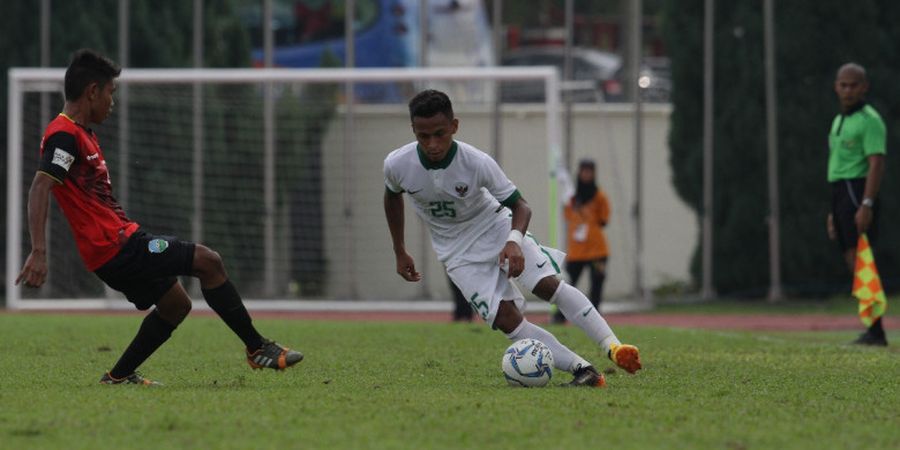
277 171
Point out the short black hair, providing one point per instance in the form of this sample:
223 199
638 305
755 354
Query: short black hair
853 67
88 67
429 103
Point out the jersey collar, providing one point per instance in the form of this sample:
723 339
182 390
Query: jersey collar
442 164
76 123
853 109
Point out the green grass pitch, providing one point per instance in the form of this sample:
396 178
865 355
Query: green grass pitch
413 385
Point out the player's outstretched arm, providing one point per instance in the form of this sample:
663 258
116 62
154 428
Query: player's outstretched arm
393 212
34 272
863 216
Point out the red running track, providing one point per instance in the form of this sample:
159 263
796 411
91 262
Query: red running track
752 322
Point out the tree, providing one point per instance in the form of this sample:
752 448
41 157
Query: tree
813 39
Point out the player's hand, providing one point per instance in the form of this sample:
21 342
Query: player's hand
511 257
34 272
406 267
829 226
863 219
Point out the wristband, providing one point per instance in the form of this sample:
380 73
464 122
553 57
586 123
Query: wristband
868 202
515 236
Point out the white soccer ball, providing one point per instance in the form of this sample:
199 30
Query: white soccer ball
528 363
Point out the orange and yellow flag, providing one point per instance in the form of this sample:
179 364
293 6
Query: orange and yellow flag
867 284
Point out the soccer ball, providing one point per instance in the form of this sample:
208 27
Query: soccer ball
528 363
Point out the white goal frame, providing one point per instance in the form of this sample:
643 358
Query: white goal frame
49 80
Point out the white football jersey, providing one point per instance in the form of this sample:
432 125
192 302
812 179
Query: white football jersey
460 198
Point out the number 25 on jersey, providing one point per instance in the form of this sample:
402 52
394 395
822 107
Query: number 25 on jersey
441 209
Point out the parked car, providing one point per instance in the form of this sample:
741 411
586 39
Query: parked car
597 76
656 80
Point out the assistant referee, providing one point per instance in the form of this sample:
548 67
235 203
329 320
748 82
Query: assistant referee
855 169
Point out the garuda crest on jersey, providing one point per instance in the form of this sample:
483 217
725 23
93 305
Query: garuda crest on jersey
462 189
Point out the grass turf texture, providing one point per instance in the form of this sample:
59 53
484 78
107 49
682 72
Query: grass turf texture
409 385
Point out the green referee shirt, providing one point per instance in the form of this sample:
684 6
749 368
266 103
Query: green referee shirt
854 137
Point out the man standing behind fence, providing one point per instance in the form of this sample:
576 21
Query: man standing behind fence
855 167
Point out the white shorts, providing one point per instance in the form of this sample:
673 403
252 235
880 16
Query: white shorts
485 284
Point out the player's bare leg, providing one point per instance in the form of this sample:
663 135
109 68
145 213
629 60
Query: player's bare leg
175 305
850 258
579 310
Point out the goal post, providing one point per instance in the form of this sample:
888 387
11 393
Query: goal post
296 213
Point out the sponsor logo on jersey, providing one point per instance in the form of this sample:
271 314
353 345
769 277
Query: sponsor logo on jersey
541 265
413 192
462 189
157 246
62 158
93 156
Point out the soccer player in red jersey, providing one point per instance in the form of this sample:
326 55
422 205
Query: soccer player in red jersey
120 252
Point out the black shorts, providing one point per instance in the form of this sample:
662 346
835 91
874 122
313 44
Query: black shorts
146 266
846 198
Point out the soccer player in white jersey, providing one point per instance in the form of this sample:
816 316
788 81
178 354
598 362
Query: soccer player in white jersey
463 196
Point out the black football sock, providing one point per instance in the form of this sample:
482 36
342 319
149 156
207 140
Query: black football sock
154 332
876 329
226 302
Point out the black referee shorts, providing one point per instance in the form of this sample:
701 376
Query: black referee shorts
146 266
846 198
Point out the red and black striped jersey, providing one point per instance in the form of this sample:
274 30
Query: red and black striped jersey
71 155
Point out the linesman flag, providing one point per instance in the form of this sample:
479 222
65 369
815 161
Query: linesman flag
867 284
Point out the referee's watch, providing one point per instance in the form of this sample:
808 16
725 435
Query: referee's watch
868 202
